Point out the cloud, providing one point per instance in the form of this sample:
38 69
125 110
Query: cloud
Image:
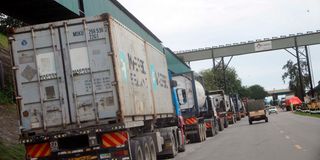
190 24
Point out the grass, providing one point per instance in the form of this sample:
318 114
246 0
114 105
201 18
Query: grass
6 95
11 151
307 114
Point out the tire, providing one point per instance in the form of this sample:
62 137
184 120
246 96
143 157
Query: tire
216 127
174 149
211 131
136 150
198 136
231 122
145 147
250 121
226 123
266 119
182 147
220 125
152 146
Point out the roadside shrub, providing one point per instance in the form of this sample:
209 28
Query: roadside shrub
6 95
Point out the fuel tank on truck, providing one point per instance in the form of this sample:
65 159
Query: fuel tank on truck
185 83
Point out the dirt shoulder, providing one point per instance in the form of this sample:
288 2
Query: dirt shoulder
9 124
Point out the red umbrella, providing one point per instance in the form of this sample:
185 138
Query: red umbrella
293 100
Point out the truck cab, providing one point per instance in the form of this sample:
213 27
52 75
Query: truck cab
219 100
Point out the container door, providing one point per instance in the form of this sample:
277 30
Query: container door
40 79
89 71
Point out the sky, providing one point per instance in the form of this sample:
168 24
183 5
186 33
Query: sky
192 24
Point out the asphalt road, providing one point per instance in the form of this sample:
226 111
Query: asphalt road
285 137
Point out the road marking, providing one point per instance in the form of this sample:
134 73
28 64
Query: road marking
287 137
298 146
281 131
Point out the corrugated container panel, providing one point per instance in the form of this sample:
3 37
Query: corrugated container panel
72 5
69 75
142 74
97 7
175 64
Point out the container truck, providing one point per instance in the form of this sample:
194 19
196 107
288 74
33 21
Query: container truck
237 106
221 103
256 111
192 100
90 88
212 102
231 112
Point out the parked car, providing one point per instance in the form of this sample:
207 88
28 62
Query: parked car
272 109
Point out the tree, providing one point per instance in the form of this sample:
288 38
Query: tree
7 22
257 92
214 79
292 73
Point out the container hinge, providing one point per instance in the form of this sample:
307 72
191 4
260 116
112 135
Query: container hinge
11 38
15 68
114 83
18 98
110 54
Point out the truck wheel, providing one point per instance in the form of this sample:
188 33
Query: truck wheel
145 147
220 124
152 146
226 123
216 127
182 147
174 149
136 150
266 119
210 132
232 120
197 137
250 121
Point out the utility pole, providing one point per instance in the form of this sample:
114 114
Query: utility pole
299 68
309 70
224 75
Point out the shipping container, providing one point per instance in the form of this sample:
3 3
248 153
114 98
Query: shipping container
90 76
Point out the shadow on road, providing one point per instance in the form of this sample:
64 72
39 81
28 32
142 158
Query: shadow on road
257 123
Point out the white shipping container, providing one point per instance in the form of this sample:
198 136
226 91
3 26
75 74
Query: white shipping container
85 72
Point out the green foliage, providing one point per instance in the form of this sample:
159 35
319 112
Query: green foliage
11 151
6 95
7 22
292 73
244 91
214 79
307 114
4 41
256 92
